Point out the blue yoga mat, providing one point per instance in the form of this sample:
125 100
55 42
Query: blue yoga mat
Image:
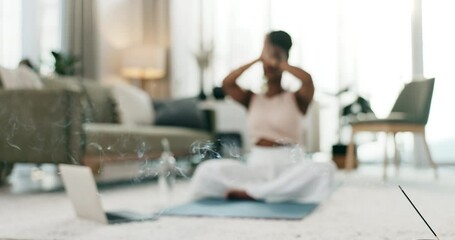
242 209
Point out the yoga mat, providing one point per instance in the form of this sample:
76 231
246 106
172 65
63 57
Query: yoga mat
242 209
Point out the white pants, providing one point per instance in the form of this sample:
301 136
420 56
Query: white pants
271 174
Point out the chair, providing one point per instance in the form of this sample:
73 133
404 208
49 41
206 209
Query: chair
409 114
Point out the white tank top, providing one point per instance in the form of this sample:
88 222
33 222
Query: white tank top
276 118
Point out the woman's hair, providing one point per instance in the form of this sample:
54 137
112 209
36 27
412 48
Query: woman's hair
281 39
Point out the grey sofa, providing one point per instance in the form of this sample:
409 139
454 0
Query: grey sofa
73 121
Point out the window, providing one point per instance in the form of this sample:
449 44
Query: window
50 33
30 29
10 33
439 56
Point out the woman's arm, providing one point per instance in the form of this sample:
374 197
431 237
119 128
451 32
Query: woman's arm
304 95
231 88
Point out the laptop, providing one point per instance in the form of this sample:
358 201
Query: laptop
418 213
81 189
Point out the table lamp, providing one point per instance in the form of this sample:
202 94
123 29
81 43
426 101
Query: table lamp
143 63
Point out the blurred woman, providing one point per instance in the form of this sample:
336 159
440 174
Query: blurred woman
275 169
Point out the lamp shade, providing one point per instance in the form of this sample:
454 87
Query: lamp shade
145 62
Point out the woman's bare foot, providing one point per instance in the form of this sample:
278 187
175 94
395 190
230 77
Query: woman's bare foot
235 194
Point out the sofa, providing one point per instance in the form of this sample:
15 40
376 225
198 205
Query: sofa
76 121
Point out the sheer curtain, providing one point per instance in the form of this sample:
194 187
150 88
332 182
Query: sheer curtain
50 32
78 35
10 33
439 56
29 29
375 49
337 41
41 32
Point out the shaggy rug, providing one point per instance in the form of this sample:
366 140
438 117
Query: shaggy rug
363 207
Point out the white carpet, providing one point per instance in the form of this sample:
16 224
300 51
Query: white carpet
362 208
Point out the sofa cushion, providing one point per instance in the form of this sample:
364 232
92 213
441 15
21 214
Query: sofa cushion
117 139
20 78
98 104
57 82
181 112
134 105
104 106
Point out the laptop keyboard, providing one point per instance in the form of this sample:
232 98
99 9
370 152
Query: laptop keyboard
114 217
124 216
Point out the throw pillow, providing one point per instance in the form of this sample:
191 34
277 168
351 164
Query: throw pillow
180 112
20 78
133 104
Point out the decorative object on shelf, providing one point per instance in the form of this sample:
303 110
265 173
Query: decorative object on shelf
218 93
144 63
65 63
203 60
360 105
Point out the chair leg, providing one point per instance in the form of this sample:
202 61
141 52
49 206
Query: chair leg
396 157
430 159
350 156
385 156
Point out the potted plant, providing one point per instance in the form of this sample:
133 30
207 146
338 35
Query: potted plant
65 64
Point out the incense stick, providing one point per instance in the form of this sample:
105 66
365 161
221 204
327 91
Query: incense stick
418 212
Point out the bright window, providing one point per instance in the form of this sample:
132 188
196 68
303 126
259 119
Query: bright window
30 31
50 33
10 33
439 56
